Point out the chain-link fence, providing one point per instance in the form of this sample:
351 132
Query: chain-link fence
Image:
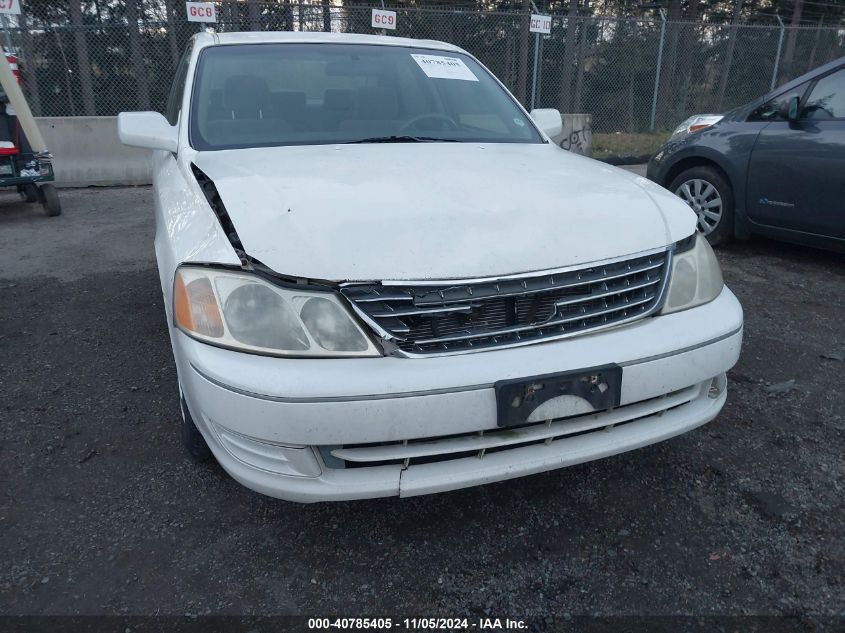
631 75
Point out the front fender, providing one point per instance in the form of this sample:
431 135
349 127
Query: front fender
728 147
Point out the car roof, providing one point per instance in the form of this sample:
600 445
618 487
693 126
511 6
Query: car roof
317 37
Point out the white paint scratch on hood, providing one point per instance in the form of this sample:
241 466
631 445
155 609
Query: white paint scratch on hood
436 210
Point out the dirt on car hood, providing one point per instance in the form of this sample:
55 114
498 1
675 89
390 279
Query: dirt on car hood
415 211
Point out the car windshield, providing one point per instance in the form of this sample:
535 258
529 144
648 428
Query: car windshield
258 95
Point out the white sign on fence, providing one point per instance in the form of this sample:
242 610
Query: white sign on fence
10 6
381 19
541 24
199 11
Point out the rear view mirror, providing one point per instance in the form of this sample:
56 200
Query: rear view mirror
149 130
789 108
548 120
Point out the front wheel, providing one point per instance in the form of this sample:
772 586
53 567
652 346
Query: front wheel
710 196
50 200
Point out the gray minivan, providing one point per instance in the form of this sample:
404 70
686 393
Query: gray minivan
773 167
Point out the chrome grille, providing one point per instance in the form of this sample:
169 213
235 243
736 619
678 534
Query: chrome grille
466 316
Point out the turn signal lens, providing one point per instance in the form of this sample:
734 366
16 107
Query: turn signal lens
195 306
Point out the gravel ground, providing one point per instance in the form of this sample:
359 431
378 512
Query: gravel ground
100 513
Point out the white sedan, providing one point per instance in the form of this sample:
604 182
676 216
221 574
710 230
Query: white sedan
382 278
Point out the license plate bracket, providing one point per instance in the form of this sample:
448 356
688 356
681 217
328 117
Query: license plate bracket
516 399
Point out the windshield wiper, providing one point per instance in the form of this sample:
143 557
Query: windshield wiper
402 139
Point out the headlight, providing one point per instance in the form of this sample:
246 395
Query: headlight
695 278
695 124
242 311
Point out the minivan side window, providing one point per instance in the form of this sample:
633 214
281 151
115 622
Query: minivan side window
827 98
177 89
770 111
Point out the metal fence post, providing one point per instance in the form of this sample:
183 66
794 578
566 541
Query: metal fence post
534 74
657 72
536 56
777 55
542 43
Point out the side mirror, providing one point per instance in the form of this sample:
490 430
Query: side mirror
147 129
548 120
789 108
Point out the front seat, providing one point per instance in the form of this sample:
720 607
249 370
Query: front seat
245 97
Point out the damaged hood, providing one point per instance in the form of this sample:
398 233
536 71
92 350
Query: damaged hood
415 211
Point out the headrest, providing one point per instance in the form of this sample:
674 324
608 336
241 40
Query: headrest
245 96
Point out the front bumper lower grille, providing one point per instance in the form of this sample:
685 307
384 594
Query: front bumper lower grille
465 316
440 449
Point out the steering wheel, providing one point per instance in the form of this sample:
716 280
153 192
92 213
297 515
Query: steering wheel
429 115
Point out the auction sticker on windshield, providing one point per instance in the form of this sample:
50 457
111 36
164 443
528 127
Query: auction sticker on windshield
440 67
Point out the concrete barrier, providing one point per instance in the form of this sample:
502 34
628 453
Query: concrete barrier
87 152
577 135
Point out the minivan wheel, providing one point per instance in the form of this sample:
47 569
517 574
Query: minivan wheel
192 440
709 194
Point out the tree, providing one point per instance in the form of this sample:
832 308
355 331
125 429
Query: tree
327 16
565 99
254 14
670 55
29 55
792 34
136 52
172 37
82 60
729 54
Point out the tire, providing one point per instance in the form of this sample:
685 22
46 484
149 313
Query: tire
50 200
28 193
709 194
192 440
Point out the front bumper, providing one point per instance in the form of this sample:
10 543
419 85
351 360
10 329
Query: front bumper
656 169
264 417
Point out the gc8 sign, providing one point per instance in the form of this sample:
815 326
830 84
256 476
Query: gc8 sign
199 11
384 19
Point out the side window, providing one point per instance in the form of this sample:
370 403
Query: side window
770 111
177 90
827 98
